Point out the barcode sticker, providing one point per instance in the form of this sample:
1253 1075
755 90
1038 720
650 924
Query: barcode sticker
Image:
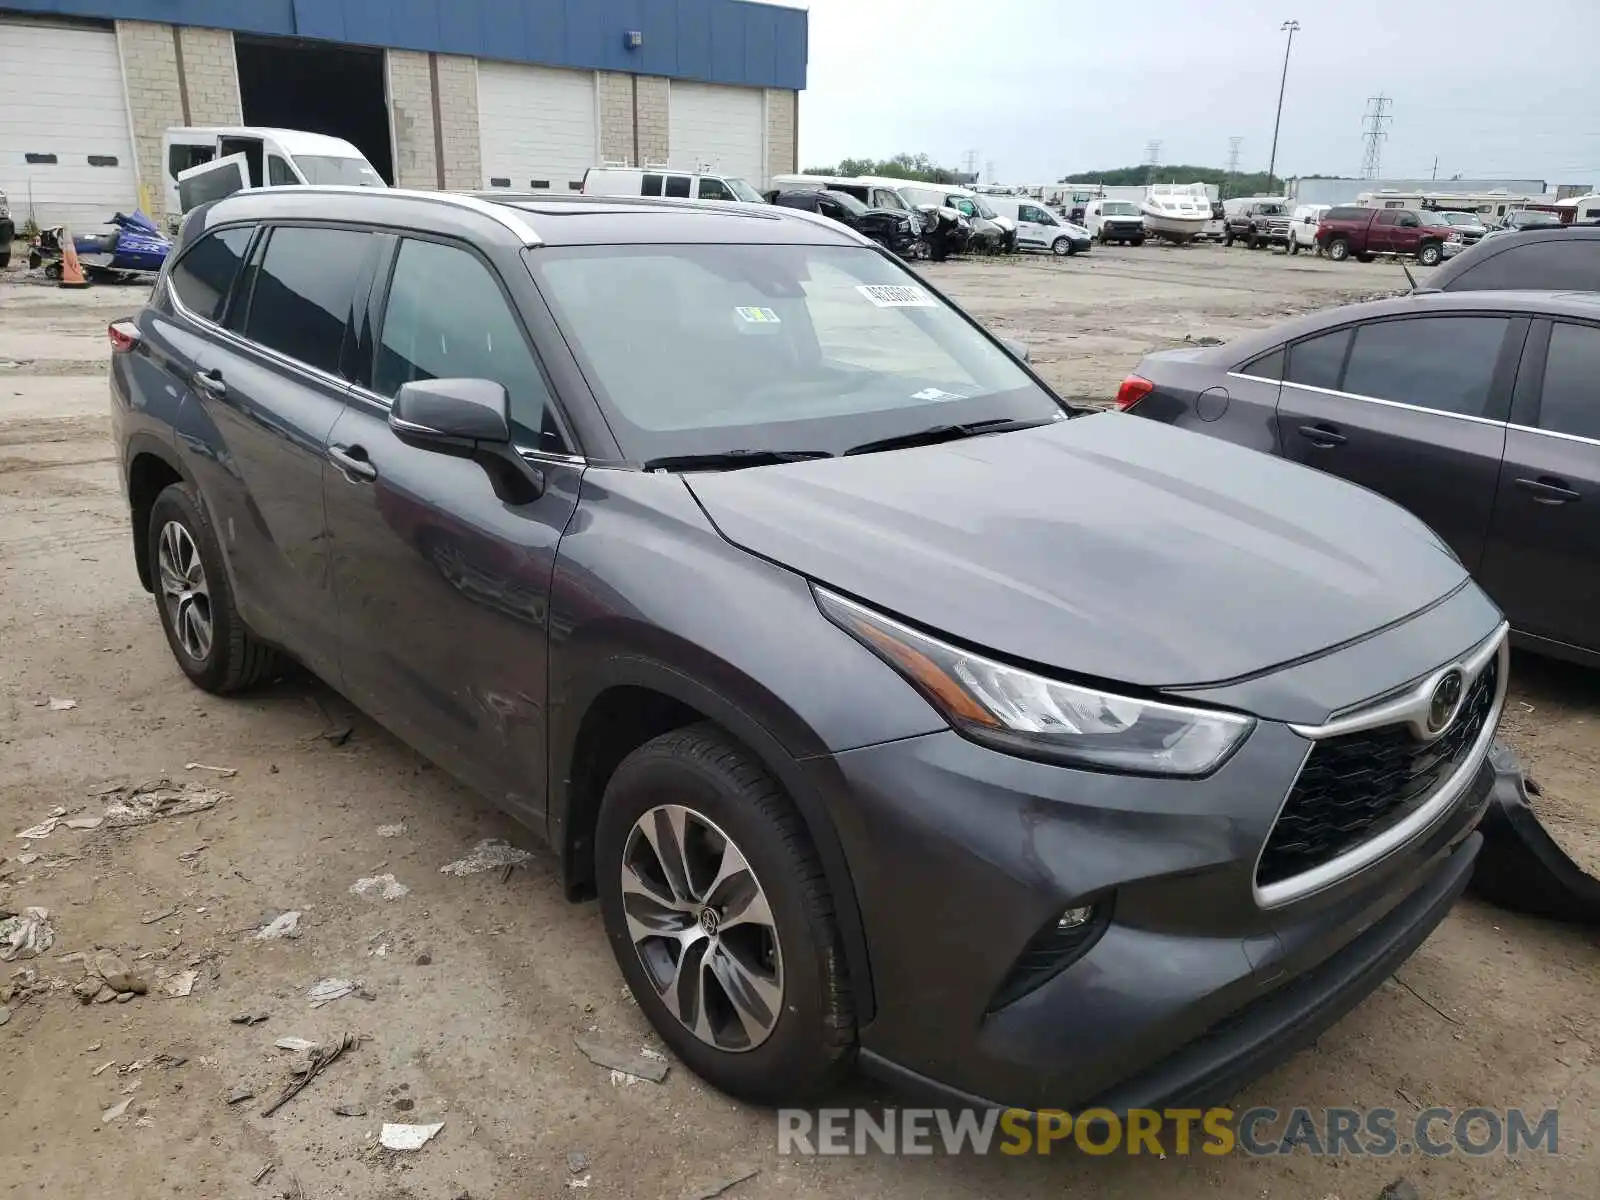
886 295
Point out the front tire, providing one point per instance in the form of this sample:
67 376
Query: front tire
1339 249
195 600
1061 247
1430 255
703 863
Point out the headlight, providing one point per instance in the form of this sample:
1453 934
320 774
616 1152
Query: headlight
1023 713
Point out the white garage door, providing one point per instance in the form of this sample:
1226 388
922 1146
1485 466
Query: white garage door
65 154
717 128
537 125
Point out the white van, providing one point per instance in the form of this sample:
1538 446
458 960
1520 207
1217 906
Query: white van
209 162
1115 221
663 181
1040 229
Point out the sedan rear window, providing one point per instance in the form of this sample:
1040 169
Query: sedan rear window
1569 403
1444 363
699 349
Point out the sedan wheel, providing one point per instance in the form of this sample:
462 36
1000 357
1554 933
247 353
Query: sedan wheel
702 927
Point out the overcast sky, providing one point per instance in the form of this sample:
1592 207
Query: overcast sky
1044 88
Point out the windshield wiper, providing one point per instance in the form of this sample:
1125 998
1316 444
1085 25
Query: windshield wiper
947 433
730 460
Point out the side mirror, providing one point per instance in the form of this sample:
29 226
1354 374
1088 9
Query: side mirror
452 414
1018 349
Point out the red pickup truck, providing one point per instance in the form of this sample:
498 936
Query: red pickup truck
1362 232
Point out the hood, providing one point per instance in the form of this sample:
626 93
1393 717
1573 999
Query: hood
1103 546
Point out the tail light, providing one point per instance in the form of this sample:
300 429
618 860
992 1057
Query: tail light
1134 389
124 336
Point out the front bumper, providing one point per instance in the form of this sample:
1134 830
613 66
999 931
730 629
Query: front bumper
961 855
1451 249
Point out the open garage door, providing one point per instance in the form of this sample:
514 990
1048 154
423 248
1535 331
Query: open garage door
66 157
537 126
717 128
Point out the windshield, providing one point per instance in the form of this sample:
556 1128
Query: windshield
1118 208
743 190
851 204
1526 217
984 211
703 349
889 198
327 169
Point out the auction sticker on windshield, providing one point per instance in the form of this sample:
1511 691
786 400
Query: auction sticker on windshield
888 295
758 316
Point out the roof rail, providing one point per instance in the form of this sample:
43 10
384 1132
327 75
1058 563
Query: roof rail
503 214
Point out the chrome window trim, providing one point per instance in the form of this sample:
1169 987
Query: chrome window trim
244 343
1421 408
511 218
1253 378
1393 710
1556 433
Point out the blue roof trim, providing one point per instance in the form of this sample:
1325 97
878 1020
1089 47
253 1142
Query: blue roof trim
720 41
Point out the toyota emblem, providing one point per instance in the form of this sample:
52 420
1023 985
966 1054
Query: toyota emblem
1445 702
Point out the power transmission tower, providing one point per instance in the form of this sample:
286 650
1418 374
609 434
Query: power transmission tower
1152 160
988 171
970 160
1233 154
1375 129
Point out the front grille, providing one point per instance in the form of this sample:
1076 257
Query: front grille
1356 785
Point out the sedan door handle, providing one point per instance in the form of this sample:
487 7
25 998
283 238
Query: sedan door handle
1547 489
1325 436
355 464
211 383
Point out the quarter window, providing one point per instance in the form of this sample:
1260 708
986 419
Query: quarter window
1268 366
300 304
278 172
1318 361
446 318
1570 403
1445 363
204 276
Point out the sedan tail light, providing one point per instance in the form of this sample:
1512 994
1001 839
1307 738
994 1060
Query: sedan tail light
124 336
1134 389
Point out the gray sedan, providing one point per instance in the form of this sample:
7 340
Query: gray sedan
1478 411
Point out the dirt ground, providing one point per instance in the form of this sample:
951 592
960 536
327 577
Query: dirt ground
473 988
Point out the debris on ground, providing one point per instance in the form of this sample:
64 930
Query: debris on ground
407 1137
115 1111
321 1057
379 887
102 1068
5 1014
1400 1189
392 831
27 934
84 822
580 1182
157 800
152 918
261 1174
726 1185
62 704
44 828
326 991
239 1095
249 1018
179 985
26 983
487 855
349 1110
115 974
225 772
296 1045
577 1162
284 925
604 1053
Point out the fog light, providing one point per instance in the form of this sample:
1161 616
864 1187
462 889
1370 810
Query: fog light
1074 918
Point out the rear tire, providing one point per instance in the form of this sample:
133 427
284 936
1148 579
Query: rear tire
1339 249
697 789
195 600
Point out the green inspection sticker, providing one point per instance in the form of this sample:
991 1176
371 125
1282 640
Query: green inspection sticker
758 316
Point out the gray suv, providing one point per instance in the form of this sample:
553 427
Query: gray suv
894 711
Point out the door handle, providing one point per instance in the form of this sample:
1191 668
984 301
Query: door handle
210 382
1547 489
353 461
1324 436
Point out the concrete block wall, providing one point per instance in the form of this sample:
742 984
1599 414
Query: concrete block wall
210 76
654 93
411 111
458 121
616 117
150 76
782 152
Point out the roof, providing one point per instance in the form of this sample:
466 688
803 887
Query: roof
295 141
534 218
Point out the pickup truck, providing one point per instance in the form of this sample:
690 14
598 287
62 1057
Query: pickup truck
1260 223
1363 232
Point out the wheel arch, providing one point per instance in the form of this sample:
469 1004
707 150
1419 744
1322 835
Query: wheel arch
635 698
150 467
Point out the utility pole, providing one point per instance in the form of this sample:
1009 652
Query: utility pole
1436 166
1292 28
1374 131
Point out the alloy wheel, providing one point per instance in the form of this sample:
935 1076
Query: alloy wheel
702 927
184 590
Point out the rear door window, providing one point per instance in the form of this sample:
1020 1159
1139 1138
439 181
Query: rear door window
303 291
1570 402
1443 363
651 185
204 276
715 189
1318 361
678 185
1558 263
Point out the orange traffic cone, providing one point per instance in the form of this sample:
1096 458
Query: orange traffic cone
71 269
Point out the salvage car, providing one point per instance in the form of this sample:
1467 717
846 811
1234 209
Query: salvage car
893 229
896 712
1474 410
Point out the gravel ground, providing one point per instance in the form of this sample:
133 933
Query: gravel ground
478 984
